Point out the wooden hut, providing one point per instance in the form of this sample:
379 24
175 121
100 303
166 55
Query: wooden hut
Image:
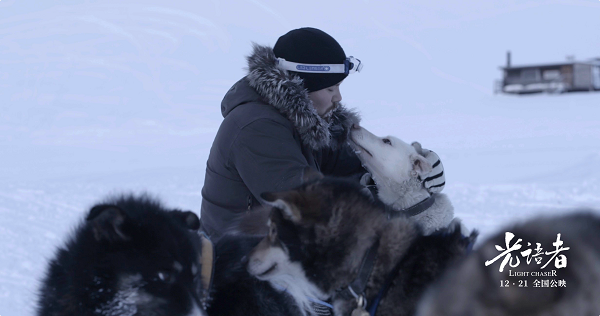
556 77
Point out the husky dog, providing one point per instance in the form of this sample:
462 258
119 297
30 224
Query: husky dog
396 167
235 292
329 235
472 288
130 257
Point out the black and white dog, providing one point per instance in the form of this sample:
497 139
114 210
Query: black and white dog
328 240
237 293
129 257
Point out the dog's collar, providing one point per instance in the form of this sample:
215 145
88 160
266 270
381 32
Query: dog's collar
357 288
415 209
207 260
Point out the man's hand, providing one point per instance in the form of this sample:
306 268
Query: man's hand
434 181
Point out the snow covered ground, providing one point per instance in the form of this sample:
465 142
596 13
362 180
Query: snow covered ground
100 97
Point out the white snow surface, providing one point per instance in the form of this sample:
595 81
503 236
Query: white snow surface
102 97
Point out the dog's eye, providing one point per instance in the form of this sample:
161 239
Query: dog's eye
273 230
387 141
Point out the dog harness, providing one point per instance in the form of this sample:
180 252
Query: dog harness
356 289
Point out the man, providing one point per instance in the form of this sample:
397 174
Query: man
282 121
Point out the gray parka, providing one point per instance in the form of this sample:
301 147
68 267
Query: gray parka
270 136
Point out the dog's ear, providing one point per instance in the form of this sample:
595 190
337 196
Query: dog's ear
287 201
187 218
420 164
108 223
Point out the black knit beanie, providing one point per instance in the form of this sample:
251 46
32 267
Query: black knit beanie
312 46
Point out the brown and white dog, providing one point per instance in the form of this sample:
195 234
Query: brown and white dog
323 234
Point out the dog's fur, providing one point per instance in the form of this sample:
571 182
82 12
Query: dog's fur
235 292
395 166
471 288
130 257
319 234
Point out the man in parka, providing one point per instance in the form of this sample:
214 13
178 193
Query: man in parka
280 125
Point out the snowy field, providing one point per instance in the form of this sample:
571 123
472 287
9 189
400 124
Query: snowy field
102 97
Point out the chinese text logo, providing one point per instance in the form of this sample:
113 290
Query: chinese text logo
560 261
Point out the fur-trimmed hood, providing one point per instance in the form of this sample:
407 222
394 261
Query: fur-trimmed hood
285 91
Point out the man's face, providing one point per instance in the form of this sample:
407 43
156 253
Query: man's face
324 100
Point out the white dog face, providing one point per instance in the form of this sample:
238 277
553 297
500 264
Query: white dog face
387 158
270 261
269 258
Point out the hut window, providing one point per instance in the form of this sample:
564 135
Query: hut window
513 74
530 74
551 74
